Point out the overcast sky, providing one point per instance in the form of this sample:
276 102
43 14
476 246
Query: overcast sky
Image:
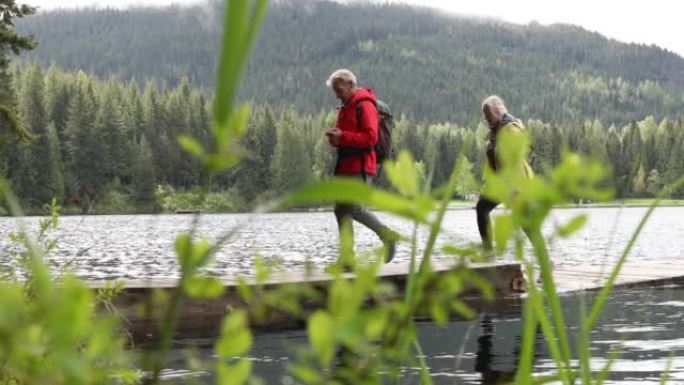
657 22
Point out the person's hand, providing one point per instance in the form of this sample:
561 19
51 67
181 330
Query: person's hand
334 135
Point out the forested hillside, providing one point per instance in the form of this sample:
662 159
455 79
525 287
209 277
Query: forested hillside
109 146
429 66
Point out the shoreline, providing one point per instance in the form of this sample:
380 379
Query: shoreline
453 206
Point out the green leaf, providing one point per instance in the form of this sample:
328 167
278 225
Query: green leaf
321 328
226 135
262 271
240 120
512 149
305 374
231 59
191 255
460 251
204 287
524 372
244 290
200 252
219 162
495 187
183 246
234 344
235 374
573 226
439 314
425 378
503 231
236 339
375 324
345 190
403 174
191 145
463 310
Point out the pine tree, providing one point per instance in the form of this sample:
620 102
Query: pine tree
248 172
155 132
467 184
57 98
620 169
143 173
110 159
81 180
10 41
632 155
323 159
50 180
291 162
43 167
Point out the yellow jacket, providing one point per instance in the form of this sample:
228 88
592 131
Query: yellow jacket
514 127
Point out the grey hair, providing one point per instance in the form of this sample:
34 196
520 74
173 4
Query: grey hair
341 74
496 106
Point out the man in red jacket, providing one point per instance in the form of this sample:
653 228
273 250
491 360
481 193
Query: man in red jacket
355 135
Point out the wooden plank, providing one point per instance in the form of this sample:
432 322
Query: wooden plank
201 318
295 276
570 278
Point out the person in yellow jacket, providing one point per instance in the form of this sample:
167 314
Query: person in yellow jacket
499 121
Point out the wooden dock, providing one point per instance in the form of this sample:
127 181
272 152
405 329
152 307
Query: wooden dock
201 318
633 274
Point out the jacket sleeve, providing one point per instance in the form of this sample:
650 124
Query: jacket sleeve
367 133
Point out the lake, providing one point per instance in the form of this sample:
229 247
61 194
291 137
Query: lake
646 324
141 246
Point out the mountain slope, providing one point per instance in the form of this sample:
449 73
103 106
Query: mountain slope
428 65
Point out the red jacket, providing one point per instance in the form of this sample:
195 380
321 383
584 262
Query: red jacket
359 135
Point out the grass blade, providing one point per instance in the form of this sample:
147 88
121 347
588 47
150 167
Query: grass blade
524 374
352 191
602 297
549 287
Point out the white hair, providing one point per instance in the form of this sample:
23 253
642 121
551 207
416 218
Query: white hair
341 74
496 106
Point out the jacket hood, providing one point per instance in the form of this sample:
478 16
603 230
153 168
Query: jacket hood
363 94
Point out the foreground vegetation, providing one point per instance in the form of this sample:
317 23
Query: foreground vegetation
51 334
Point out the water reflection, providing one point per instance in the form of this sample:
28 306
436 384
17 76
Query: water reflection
646 323
484 358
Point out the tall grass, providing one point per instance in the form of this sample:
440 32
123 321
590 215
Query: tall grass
348 340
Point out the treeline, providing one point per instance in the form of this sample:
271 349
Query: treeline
108 146
430 66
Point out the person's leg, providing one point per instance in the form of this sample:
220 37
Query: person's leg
370 220
343 215
483 208
344 225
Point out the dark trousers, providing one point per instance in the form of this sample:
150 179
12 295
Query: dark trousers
483 208
345 213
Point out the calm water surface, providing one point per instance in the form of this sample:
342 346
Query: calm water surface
646 324
141 246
